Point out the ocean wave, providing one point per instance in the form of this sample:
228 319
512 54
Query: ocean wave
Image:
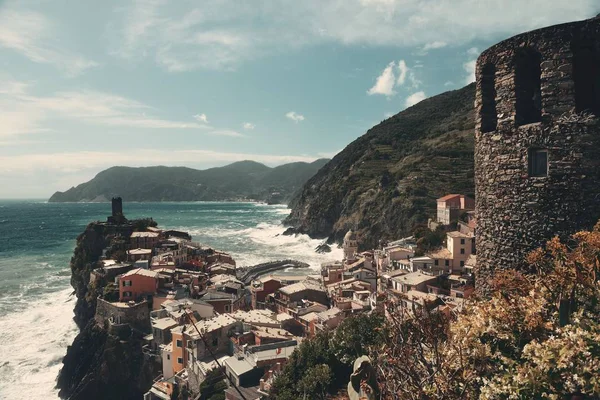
45 324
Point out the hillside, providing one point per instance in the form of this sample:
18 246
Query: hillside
238 181
386 182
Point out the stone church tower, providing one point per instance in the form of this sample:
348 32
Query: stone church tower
350 246
537 142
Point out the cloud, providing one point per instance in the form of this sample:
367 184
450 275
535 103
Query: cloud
434 45
22 112
448 83
402 71
385 82
469 68
294 116
248 125
221 34
414 98
34 36
473 51
226 132
201 118
77 161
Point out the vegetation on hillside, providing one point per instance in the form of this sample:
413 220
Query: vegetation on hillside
536 337
386 182
240 180
323 364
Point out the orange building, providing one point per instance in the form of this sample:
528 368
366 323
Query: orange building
137 283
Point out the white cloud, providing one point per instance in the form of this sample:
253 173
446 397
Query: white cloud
469 68
415 98
448 83
22 112
220 34
402 71
385 82
294 116
201 118
389 114
434 45
248 125
473 51
226 132
76 161
35 37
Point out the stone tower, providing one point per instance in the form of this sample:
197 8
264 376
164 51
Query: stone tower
350 246
117 207
537 142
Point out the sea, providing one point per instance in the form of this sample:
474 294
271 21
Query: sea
36 243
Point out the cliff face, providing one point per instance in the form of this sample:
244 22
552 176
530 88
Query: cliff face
99 365
385 182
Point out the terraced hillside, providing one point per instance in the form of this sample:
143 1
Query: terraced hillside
386 182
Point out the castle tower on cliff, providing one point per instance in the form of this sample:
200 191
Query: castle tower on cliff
537 142
350 246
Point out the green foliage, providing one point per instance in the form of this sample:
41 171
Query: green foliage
323 364
213 387
244 179
428 240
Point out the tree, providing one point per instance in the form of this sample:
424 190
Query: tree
316 381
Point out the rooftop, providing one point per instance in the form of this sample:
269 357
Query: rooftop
163 323
308 284
414 278
443 254
457 234
449 197
141 272
208 325
145 234
139 251
256 317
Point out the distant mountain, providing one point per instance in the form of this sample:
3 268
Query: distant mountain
386 181
243 180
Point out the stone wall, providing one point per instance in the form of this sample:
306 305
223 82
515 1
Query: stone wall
517 212
137 315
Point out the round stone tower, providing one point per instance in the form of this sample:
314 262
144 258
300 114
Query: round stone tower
537 142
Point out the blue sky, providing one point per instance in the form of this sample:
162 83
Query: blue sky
86 85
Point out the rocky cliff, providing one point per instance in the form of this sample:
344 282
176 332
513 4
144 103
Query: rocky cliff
385 182
99 365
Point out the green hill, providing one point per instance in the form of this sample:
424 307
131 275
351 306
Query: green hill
386 182
244 180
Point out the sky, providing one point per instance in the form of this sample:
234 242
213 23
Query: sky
85 85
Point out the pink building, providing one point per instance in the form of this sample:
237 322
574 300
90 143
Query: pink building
137 283
451 206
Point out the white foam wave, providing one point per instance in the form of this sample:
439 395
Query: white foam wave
34 341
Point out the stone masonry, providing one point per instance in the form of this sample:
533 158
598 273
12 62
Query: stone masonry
537 142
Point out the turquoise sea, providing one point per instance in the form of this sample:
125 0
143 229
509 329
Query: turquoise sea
36 243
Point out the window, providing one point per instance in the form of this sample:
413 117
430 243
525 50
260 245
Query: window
586 76
168 356
488 114
215 341
447 263
462 263
179 343
538 162
126 283
436 262
179 360
227 308
462 251
462 241
528 86
127 294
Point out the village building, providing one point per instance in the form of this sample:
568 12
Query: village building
137 283
295 295
143 240
451 206
350 246
139 254
223 302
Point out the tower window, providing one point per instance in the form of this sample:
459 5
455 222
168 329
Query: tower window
538 162
586 76
489 116
528 87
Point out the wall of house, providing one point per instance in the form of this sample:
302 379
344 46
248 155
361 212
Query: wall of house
140 286
137 315
517 212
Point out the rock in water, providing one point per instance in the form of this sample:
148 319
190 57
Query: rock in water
323 248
